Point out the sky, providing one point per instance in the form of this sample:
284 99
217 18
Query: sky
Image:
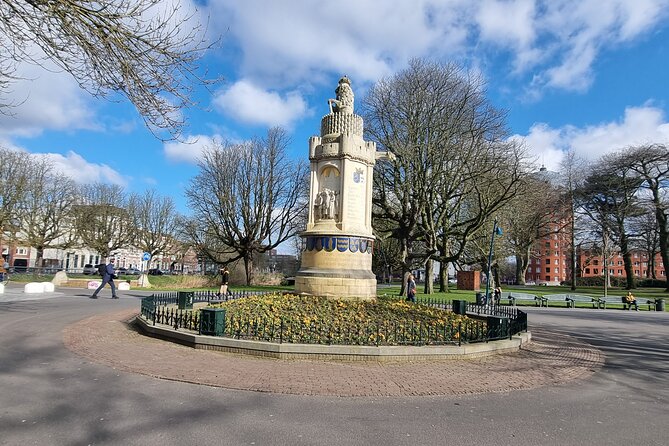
587 75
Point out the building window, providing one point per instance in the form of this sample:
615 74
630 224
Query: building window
620 272
548 278
557 270
548 261
596 270
636 272
557 261
538 270
21 251
595 262
636 255
587 270
548 270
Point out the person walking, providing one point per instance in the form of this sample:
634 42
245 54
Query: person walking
108 275
497 295
225 278
411 289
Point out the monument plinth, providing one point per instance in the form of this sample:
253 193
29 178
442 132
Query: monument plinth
338 241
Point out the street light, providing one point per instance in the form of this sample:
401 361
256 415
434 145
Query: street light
496 230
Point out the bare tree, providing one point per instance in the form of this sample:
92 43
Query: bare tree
101 220
15 173
453 167
647 237
609 197
154 219
45 214
247 199
145 50
531 216
573 169
651 163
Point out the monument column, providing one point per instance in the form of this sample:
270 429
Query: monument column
338 241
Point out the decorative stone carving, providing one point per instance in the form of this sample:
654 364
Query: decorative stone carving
326 204
344 101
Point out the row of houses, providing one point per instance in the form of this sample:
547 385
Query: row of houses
17 256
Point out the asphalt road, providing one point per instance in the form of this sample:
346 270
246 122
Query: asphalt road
51 396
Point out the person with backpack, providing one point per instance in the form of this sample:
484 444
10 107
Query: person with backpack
108 275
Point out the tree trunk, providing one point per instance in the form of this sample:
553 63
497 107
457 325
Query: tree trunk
405 268
429 274
650 272
248 268
627 262
573 246
443 278
663 233
522 262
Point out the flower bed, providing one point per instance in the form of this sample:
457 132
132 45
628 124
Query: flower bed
298 319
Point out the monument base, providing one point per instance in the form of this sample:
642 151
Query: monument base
336 284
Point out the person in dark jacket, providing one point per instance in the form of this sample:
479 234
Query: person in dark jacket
225 278
107 278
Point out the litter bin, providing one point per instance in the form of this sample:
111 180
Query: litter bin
480 299
659 304
460 306
212 321
185 300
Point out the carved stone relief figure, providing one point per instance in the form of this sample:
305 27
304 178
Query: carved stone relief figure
326 204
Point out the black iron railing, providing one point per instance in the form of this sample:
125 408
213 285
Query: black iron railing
486 323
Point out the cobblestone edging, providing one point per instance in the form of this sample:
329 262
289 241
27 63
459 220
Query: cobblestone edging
110 339
332 352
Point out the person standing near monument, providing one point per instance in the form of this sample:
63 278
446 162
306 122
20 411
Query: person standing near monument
411 289
108 276
225 278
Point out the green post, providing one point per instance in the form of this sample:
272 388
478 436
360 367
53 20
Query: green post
460 307
212 321
185 300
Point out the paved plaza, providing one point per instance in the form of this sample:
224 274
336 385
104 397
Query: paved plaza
74 371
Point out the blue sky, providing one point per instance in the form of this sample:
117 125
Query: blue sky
591 75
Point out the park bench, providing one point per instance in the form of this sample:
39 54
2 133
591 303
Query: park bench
572 299
622 299
514 297
557 298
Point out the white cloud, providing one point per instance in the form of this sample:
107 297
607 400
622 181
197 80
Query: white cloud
639 125
554 42
45 100
292 42
507 22
83 172
188 151
248 103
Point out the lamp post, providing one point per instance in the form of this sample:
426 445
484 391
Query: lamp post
496 230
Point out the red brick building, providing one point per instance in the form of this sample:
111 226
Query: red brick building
592 265
549 262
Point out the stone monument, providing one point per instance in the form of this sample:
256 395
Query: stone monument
338 241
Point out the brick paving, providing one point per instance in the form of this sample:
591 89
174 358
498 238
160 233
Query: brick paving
550 359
